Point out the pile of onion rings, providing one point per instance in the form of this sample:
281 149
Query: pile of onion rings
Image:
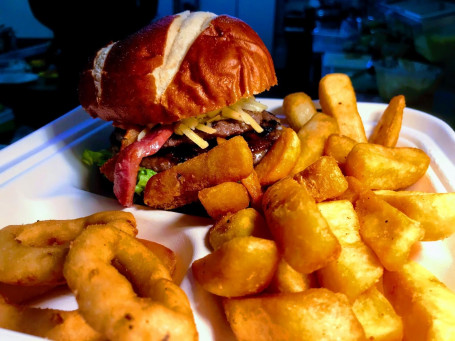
33 254
123 285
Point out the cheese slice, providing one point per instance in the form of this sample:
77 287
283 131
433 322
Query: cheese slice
203 122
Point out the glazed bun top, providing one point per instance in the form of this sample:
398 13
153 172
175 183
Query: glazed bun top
179 66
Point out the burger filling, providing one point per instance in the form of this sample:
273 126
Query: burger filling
187 139
179 148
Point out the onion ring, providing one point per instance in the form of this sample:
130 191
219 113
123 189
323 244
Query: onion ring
33 254
17 294
166 255
159 311
47 323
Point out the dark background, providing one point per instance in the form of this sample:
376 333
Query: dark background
387 47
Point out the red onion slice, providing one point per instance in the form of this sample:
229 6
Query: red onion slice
129 159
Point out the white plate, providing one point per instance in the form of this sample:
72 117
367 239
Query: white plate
42 177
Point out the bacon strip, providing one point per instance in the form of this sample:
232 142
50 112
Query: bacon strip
129 159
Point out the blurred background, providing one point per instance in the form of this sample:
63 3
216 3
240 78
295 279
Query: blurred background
387 47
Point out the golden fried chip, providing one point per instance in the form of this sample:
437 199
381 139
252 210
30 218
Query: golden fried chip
357 268
323 179
286 279
246 222
299 229
380 167
239 267
253 186
280 159
425 304
338 146
337 99
179 185
434 211
298 108
354 190
224 198
314 314
387 130
377 316
313 136
388 232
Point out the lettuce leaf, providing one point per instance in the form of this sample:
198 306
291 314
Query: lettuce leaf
143 177
99 158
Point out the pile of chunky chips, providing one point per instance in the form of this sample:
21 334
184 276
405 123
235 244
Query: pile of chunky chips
323 251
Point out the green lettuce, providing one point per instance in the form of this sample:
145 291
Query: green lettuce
99 158
143 177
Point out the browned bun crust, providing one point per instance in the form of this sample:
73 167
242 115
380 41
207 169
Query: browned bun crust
227 61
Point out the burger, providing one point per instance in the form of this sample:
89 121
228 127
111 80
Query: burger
175 87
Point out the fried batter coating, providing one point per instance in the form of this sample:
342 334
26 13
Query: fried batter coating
51 324
124 291
33 254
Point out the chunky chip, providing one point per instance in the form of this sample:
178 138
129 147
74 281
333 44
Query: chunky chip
426 305
380 167
280 159
246 222
179 185
323 179
337 99
387 231
338 146
240 266
357 268
354 190
314 314
224 198
377 316
299 229
434 211
286 279
387 130
313 136
254 188
298 108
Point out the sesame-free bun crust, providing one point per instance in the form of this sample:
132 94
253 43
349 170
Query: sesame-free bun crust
223 61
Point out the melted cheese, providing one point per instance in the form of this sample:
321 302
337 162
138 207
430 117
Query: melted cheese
203 122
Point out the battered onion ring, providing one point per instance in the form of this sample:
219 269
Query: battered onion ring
159 311
33 254
47 323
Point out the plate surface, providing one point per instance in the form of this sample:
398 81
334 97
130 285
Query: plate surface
42 177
